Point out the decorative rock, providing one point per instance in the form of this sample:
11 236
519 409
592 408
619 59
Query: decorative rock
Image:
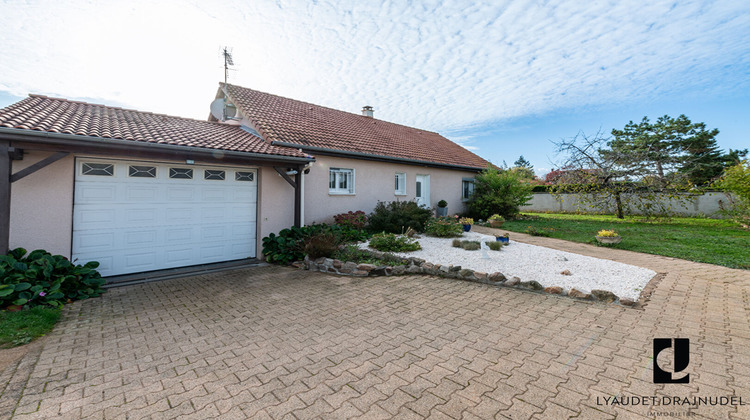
351 266
359 273
388 271
604 296
466 272
320 260
455 268
366 267
554 290
338 263
565 273
427 266
413 269
627 302
480 276
298 264
378 271
345 270
533 284
575 293
398 270
561 258
328 262
445 268
513 281
418 261
497 277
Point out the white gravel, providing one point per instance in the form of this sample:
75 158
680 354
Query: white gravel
531 262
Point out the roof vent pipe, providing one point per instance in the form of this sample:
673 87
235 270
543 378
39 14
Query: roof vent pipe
367 111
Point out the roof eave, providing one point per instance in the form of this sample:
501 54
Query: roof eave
63 139
380 158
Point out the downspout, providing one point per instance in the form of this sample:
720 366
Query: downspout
302 203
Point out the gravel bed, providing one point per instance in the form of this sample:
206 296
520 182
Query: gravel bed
531 262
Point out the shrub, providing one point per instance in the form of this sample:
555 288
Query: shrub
607 233
389 242
355 220
495 246
360 256
466 221
41 278
442 203
443 227
470 245
321 245
397 216
496 191
531 230
736 180
496 217
457 243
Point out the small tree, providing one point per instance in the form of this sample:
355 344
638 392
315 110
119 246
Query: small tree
498 192
736 180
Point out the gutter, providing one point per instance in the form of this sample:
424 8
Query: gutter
367 156
45 137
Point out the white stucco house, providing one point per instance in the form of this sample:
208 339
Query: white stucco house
140 192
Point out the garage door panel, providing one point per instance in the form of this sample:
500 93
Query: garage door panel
132 224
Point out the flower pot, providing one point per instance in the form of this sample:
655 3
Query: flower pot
442 211
467 228
496 223
503 239
609 239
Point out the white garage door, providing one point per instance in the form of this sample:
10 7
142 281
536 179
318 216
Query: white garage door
141 216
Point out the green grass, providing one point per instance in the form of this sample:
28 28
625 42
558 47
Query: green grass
712 241
18 328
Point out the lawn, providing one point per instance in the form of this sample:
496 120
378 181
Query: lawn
712 241
17 328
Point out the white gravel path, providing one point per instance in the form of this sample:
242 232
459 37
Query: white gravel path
531 262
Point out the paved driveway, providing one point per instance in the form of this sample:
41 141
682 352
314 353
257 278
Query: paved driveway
272 342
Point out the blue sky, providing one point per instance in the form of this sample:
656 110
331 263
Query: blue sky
502 78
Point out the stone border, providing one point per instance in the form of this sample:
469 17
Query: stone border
412 265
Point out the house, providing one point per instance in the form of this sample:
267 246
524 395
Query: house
139 191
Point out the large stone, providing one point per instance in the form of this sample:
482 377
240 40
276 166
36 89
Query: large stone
398 270
533 285
566 273
337 264
497 277
298 264
418 261
414 269
378 271
445 268
466 273
329 262
455 268
554 290
351 266
320 261
575 293
604 296
359 273
366 267
513 281
627 302
480 276
427 265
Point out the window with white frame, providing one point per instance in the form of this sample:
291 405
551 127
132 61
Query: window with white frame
467 188
340 181
400 183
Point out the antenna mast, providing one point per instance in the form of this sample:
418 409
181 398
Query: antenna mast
227 62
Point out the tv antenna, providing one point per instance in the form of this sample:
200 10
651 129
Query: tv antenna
227 62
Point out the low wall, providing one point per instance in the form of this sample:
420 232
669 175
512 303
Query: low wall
706 204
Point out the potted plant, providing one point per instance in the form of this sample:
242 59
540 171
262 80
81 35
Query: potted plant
608 237
496 221
467 222
504 239
442 208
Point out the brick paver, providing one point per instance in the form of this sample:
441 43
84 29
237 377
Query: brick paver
272 342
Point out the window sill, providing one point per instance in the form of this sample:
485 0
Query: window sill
340 194
400 194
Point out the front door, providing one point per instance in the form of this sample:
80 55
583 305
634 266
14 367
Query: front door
423 190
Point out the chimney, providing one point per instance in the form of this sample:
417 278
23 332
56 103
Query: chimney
367 111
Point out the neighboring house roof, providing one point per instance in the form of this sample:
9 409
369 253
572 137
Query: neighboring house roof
316 128
61 116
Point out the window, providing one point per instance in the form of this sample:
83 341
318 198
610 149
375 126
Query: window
180 173
101 169
244 176
215 175
340 181
400 183
142 171
467 188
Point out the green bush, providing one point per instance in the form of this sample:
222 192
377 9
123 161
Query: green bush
498 191
398 216
443 227
41 278
736 180
495 245
389 242
470 245
457 243
360 256
321 245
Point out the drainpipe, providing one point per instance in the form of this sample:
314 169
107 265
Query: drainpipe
302 201
5 173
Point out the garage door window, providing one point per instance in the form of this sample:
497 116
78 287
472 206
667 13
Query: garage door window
100 169
180 173
244 176
215 175
142 171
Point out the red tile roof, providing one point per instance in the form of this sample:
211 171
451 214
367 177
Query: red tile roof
291 121
40 113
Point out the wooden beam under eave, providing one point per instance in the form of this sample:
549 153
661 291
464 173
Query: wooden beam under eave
5 173
37 166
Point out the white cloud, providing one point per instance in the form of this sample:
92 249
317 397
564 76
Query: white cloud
435 65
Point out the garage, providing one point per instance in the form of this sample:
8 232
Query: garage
137 216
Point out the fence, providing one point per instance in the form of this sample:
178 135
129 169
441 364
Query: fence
706 204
